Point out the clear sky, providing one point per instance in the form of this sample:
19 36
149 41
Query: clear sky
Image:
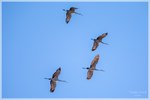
36 41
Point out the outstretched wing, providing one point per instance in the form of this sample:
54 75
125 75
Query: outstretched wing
94 62
89 74
92 67
53 85
101 36
95 45
56 74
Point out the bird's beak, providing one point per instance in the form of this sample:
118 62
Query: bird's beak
92 39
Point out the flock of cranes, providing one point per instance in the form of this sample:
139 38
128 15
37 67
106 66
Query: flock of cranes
92 67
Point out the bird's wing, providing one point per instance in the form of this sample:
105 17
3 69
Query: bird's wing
94 62
53 85
68 17
89 74
92 66
56 74
101 36
95 45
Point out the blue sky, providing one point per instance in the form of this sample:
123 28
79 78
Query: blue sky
36 41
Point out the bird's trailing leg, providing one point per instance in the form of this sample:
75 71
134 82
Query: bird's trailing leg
56 80
104 43
75 8
78 13
99 70
62 80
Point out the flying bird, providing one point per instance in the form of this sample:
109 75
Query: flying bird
93 67
69 13
54 79
98 40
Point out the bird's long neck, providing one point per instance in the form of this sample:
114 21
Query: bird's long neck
94 39
48 78
86 68
65 10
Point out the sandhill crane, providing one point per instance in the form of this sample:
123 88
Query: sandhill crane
54 79
69 13
93 67
98 40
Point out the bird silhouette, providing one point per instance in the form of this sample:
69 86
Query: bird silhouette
93 67
54 79
69 13
98 40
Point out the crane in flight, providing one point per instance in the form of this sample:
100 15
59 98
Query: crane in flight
54 79
93 67
98 40
69 13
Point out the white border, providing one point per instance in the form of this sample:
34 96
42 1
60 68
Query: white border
71 1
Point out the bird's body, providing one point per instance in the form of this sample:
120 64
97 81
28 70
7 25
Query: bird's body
98 40
92 67
68 16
